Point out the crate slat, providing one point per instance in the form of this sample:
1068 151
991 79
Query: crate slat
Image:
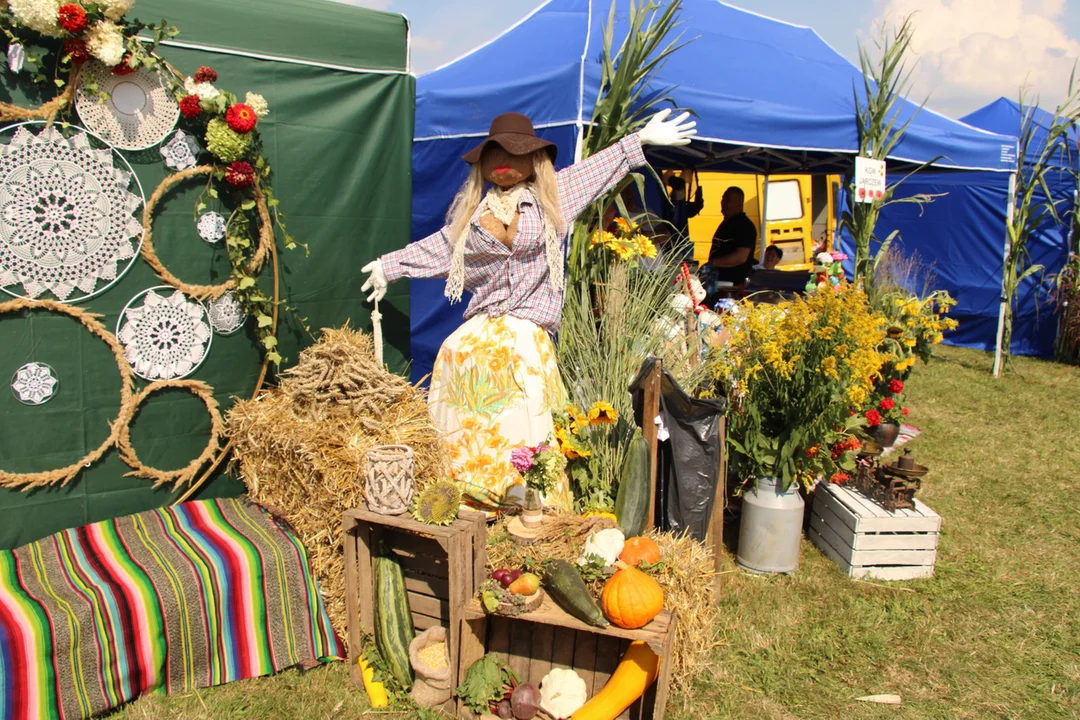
823 518
847 506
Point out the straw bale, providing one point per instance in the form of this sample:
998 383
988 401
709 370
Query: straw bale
686 573
300 446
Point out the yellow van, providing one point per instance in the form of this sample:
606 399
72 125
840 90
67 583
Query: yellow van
802 212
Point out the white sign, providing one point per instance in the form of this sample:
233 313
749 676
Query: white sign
869 180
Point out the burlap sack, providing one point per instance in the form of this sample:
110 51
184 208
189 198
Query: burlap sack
432 685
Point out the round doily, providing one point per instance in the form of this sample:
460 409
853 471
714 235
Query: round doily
67 216
211 227
34 383
181 152
131 112
165 336
226 314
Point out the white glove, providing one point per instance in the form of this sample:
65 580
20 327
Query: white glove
376 281
661 131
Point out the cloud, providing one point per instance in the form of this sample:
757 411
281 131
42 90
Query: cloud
422 43
971 52
371 4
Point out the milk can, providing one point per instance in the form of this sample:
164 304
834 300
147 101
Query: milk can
770 528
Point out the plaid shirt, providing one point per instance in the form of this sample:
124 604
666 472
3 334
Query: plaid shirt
514 281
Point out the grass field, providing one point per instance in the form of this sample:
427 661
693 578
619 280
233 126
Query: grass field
995 634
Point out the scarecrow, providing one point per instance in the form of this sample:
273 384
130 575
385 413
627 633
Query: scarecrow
495 381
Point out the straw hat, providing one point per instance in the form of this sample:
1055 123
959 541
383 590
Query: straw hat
514 133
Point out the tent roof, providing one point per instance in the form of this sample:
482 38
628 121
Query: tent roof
769 95
320 32
1004 116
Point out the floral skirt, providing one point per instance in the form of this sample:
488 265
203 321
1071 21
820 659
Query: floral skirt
493 388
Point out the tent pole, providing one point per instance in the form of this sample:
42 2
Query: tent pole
1009 213
764 214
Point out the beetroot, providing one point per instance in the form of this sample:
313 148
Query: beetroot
504 710
525 701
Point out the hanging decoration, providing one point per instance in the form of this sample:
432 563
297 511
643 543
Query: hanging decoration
16 56
165 336
211 227
132 111
182 152
34 383
67 215
226 314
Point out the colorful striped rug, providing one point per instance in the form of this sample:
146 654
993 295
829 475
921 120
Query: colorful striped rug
165 601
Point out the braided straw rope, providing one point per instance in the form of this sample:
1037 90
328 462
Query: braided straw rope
64 475
185 474
48 111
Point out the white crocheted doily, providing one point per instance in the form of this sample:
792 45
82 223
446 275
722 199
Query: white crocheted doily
165 335
132 112
181 152
211 227
67 217
226 314
34 383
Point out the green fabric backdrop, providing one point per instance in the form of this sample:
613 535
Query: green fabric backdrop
339 142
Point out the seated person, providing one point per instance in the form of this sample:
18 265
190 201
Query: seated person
773 256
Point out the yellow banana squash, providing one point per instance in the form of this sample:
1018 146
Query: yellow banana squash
376 691
636 672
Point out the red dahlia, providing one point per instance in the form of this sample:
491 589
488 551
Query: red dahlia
72 17
873 417
240 174
887 404
122 68
190 107
241 118
205 75
896 386
77 50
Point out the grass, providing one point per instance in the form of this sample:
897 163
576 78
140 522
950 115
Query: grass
995 634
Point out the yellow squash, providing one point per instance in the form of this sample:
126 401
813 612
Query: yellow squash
376 691
636 672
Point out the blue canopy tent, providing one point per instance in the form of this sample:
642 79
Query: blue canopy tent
770 97
962 236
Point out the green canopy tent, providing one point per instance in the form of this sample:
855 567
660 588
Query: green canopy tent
338 138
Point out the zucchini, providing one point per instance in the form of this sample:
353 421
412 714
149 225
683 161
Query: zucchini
564 584
632 500
393 621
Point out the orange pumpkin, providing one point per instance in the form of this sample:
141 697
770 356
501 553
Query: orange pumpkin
638 550
631 599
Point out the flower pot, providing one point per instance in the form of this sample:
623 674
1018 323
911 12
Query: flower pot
770 527
884 434
532 511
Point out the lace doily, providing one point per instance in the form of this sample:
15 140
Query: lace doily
211 227
182 152
226 314
165 336
67 217
34 383
131 112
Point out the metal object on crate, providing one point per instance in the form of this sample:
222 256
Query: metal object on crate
892 485
390 482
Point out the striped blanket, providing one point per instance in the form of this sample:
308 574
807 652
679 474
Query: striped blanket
168 600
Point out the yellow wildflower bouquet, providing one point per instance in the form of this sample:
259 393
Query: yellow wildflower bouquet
792 373
584 437
915 325
626 242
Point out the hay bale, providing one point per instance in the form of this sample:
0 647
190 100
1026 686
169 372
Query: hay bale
300 446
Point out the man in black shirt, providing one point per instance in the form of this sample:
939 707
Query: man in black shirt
732 254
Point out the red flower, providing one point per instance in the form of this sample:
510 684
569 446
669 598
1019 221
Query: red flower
873 417
205 75
887 404
122 68
72 17
813 451
903 411
839 478
852 443
896 386
190 107
241 118
77 50
240 174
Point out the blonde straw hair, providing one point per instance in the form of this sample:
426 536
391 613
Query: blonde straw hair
546 189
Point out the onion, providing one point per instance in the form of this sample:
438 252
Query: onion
525 701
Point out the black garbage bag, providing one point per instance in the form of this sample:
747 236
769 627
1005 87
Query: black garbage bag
688 463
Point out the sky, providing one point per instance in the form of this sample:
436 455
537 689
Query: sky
967 53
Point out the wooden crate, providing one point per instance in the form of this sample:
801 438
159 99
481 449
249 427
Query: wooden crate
866 540
548 638
443 568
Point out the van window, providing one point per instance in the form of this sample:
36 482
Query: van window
784 201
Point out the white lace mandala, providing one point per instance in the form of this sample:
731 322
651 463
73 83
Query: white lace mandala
182 152
226 314
67 216
165 335
132 112
211 227
34 383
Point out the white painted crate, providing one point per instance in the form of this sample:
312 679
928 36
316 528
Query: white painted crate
866 540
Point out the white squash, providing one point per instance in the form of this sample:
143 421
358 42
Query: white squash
562 693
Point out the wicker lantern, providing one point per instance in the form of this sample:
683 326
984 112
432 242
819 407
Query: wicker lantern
389 487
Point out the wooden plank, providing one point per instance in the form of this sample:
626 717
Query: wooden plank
428 605
859 504
830 552
840 543
540 658
562 651
521 641
404 522
663 681
479 548
823 514
862 524
911 572
460 580
650 409
426 564
427 585
365 576
423 622
864 558
473 638
824 499
498 635
413 545
551 614
714 537
585 658
352 606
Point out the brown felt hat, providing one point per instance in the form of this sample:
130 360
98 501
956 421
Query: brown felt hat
514 133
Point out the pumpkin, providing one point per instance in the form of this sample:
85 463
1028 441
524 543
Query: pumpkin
640 550
631 598
636 672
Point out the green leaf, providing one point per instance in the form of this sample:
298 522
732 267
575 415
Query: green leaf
265 321
246 282
269 342
274 357
249 205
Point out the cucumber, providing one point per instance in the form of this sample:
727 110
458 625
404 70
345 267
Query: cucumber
632 500
393 621
564 584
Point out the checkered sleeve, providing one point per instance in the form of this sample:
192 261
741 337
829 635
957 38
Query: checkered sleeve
427 258
584 182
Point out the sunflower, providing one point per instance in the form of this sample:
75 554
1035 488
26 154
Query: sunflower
602 413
